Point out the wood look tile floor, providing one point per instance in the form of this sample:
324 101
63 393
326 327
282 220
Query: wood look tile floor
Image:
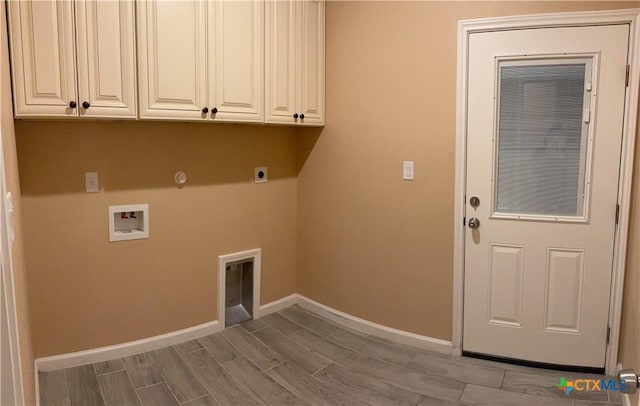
295 357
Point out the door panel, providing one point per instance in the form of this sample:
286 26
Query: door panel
172 59
544 113
238 57
311 93
106 58
505 288
563 304
281 20
42 51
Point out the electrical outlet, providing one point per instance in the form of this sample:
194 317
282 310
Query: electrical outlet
91 182
260 174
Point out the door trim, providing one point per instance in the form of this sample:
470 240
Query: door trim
6 271
468 27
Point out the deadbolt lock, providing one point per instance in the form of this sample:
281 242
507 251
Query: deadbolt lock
474 222
474 201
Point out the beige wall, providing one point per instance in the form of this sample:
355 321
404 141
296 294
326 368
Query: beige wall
370 244
86 292
13 186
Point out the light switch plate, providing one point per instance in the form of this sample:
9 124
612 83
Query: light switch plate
91 182
407 170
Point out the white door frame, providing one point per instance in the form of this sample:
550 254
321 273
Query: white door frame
6 242
467 27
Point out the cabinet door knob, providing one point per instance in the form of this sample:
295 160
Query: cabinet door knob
205 110
295 115
85 105
214 110
72 105
302 116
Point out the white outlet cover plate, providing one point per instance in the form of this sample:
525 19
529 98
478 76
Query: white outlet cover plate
407 170
260 170
91 182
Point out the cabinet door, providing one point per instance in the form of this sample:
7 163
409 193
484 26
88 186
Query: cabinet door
172 59
311 92
106 58
236 60
281 30
42 55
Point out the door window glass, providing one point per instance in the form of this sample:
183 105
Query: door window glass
542 132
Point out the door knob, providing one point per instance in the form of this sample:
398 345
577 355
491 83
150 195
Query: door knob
474 222
629 379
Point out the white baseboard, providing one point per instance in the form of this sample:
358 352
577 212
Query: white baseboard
278 305
176 337
125 349
356 323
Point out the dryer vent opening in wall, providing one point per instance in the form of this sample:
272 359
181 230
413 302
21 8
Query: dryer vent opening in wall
238 292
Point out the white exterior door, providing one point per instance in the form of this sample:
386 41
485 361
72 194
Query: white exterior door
42 51
172 59
545 110
106 58
236 60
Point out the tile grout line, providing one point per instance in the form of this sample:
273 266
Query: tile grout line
260 329
194 399
270 368
249 394
132 386
234 346
324 367
464 388
285 357
147 386
110 372
186 364
104 400
278 330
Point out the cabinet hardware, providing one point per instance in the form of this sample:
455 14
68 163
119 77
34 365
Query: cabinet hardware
72 105
302 116
214 110
85 105
295 116
205 110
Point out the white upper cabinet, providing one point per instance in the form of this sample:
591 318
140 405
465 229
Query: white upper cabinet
257 61
294 66
172 58
280 67
201 60
43 60
106 54
57 70
236 60
311 88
